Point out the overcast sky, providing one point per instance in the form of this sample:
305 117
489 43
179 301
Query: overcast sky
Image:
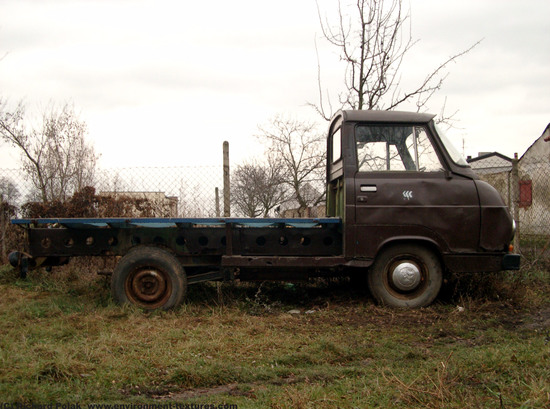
164 83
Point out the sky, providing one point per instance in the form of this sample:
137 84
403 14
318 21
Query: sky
164 83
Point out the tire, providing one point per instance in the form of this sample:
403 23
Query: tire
149 277
405 276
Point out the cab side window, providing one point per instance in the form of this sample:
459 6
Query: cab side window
395 148
336 145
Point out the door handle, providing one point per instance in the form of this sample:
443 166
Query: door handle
368 188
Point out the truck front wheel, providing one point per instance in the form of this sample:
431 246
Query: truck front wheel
149 277
406 275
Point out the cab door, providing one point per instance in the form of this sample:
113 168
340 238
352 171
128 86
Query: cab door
404 191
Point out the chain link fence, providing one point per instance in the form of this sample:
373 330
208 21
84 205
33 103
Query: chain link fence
524 185
173 191
170 191
198 192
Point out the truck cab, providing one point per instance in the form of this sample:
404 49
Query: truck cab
411 205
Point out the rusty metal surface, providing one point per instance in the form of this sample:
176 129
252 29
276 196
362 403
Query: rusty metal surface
187 242
148 286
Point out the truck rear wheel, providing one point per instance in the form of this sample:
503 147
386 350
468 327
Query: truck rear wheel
149 277
407 276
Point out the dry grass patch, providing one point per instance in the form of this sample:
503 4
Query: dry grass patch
62 340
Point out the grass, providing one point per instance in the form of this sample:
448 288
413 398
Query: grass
63 341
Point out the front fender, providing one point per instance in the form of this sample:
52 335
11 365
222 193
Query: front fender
497 227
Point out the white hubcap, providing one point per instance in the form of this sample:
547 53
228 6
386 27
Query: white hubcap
406 276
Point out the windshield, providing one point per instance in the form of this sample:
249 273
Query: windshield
455 155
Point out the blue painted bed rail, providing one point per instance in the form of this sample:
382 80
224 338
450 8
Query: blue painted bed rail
122 223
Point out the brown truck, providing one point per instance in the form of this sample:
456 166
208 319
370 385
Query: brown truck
403 209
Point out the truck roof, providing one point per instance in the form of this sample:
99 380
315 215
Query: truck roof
385 116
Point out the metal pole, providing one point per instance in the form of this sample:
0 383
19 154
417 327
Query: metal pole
515 200
226 192
226 209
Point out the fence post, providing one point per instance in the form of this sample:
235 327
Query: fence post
515 200
226 205
217 191
226 192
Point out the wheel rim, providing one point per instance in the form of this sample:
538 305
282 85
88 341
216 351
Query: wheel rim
406 277
148 286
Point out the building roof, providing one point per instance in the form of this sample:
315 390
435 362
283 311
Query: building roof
547 130
538 144
488 156
490 163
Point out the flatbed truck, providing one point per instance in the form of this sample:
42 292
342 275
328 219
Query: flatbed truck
403 208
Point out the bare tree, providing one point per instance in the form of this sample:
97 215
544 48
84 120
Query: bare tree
300 150
56 156
8 191
258 187
372 44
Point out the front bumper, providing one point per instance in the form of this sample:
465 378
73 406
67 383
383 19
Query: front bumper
481 262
